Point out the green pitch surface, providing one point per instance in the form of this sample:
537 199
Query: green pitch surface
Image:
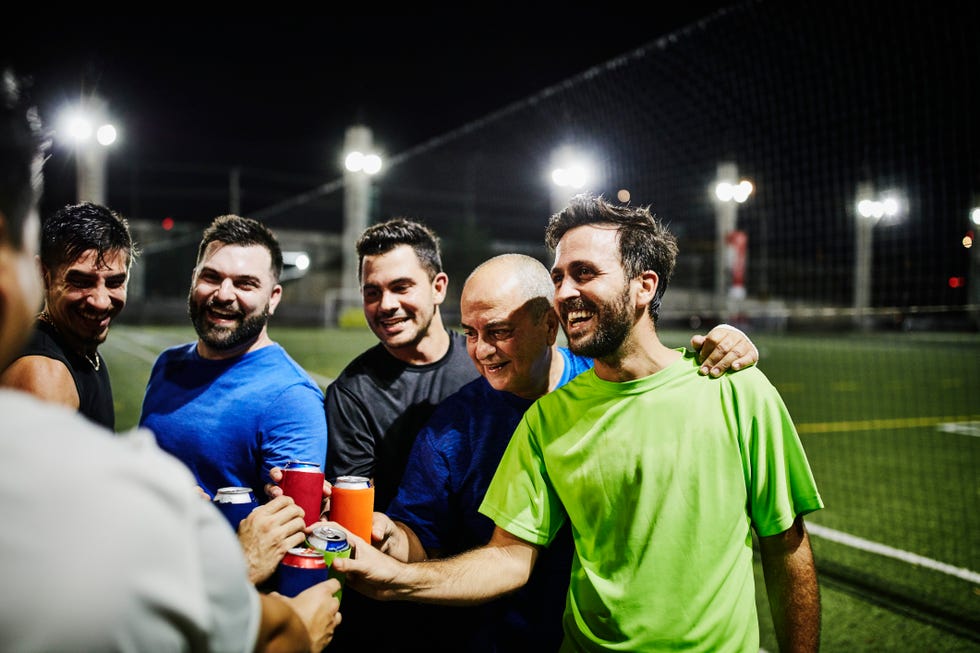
891 425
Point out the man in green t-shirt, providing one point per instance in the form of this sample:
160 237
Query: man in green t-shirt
663 474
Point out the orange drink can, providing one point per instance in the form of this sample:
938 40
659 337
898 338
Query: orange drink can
352 505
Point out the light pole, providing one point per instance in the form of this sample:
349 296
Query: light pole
870 210
87 128
730 244
360 164
973 276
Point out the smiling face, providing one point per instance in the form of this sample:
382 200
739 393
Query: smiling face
508 335
232 295
82 297
592 295
400 300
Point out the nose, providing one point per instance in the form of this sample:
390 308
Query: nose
225 291
99 298
389 302
565 289
483 348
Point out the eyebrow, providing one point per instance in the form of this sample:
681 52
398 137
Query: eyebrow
236 277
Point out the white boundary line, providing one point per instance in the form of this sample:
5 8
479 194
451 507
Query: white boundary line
890 552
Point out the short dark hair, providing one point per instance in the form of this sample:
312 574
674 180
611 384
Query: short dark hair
386 236
245 232
77 228
22 151
644 242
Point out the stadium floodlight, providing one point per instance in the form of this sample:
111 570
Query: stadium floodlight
975 216
369 164
86 129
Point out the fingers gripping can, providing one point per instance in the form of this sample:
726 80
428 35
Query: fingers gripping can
303 482
331 544
352 505
235 503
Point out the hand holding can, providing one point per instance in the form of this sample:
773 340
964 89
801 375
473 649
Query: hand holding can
303 482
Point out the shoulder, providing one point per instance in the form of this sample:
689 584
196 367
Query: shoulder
44 377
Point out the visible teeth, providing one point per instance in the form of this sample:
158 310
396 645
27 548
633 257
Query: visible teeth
578 315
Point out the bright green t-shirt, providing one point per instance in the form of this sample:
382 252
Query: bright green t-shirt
662 479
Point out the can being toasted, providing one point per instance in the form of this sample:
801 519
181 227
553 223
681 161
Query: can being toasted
332 544
235 503
303 481
352 505
300 569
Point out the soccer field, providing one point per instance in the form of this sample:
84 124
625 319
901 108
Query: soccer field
891 425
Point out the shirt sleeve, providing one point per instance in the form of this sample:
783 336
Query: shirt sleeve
294 428
351 438
520 498
779 481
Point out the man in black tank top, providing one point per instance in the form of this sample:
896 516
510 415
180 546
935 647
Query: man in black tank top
86 254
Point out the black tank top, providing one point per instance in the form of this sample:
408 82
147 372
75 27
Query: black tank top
94 389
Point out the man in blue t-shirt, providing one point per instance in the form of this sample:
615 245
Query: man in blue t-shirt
234 404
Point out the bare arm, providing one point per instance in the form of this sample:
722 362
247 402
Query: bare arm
397 540
479 575
724 347
791 582
43 377
304 623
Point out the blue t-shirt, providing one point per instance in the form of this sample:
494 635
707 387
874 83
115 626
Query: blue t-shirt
450 467
230 421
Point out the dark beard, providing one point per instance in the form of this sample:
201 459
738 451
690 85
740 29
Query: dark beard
221 339
614 323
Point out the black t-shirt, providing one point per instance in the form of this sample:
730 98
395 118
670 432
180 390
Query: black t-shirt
377 406
94 389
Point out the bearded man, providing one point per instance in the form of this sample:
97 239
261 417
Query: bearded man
234 404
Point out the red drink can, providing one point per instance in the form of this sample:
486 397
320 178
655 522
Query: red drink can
300 569
304 483
352 505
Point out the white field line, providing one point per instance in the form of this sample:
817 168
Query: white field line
962 428
890 552
147 350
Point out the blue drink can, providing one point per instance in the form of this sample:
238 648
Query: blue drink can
235 503
300 569
330 543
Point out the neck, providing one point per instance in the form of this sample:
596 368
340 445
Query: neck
641 354
86 349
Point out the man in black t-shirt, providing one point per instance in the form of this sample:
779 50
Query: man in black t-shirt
86 254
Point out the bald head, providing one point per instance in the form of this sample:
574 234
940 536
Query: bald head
524 279
510 324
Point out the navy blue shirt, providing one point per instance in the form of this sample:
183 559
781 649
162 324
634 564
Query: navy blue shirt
449 469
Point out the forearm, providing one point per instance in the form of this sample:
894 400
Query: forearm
791 583
281 630
479 575
470 578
